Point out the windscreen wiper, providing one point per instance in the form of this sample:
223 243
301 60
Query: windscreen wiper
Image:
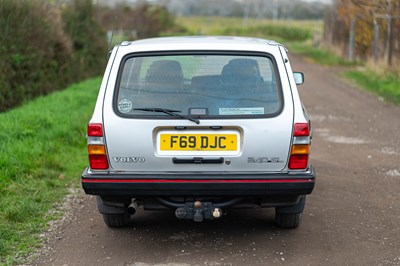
169 112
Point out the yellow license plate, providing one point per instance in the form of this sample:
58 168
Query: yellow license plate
198 142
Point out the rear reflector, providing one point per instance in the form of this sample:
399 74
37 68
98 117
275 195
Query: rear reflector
298 161
98 162
301 129
95 130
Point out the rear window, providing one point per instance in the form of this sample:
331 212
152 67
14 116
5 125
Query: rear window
199 85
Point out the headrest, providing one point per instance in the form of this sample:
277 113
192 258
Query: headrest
165 71
241 71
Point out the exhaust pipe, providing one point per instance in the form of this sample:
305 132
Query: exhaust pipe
132 208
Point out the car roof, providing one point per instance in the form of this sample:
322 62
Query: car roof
225 43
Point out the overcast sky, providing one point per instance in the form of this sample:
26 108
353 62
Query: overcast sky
322 1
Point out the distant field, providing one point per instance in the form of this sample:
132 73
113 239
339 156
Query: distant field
300 35
217 25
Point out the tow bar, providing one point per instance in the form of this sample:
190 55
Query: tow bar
198 211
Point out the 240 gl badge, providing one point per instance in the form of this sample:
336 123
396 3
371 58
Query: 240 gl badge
264 160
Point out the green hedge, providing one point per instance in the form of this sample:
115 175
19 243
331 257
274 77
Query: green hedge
43 48
88 39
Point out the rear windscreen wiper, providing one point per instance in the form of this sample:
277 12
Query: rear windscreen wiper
169 112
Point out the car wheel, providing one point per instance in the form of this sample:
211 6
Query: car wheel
116 219
288 220
290 216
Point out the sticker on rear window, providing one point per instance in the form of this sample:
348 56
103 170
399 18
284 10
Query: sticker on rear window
242 111
124 106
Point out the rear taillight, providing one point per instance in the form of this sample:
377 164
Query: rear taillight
301 129
300 150
95 130
98 159
98 162
298 161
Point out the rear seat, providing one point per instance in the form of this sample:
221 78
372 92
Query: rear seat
206 81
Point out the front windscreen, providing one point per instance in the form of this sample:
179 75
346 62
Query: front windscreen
199 85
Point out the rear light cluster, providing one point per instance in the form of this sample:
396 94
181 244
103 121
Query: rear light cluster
97 150
301 147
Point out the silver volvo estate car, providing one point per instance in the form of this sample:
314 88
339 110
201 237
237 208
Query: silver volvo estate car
199 125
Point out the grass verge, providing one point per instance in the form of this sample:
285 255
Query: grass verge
386 86
42 153
318 55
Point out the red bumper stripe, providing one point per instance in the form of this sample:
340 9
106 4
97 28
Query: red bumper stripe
307 180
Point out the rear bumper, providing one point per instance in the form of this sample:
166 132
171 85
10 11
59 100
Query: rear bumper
134 185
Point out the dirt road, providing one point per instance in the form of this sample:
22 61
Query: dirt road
352 217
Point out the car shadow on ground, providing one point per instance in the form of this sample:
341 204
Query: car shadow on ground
234 221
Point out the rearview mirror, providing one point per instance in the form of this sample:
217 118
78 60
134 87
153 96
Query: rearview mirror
298 78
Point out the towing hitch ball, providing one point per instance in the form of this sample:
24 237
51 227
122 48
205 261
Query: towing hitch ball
198 211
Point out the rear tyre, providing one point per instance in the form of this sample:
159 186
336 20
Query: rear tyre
115 220
288 220
290 216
